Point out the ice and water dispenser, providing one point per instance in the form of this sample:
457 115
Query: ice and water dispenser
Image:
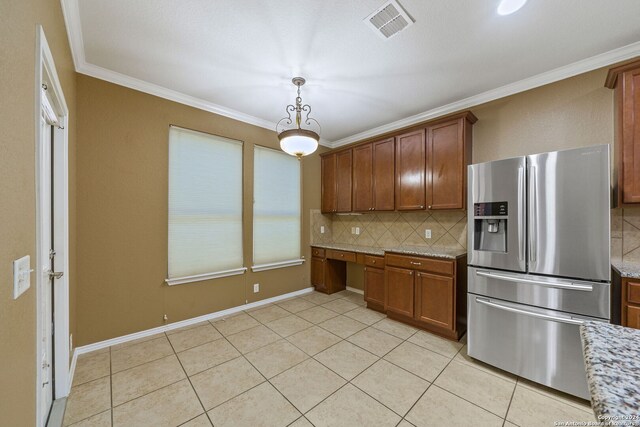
490 226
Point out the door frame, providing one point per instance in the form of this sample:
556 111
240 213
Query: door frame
45 72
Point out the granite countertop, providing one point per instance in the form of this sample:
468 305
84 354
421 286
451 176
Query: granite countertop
409 250
612 361
627 269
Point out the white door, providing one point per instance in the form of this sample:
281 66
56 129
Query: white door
46 257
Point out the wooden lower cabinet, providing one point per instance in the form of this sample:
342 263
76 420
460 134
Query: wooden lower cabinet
374 289
328 275
434 300
630 303
430 295
317 274
400 291
633 317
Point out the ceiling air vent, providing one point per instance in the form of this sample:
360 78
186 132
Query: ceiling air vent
389 19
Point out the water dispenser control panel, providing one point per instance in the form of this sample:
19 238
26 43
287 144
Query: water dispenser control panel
491 209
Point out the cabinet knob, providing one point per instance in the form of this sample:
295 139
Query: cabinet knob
421 206
374 261
411 273
365 269
373 209
429 206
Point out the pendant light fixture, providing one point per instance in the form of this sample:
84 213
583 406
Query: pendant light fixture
298 141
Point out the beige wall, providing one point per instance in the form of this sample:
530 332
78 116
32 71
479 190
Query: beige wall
122 214
571 113
18 21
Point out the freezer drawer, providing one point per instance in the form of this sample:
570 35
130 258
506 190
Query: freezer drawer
572 296
540 345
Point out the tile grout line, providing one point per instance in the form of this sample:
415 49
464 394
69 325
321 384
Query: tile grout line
510 401
188 378
265 380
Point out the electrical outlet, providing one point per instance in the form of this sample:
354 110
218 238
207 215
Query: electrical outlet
427 234
165 317
357 230
322 229
256 288
353 230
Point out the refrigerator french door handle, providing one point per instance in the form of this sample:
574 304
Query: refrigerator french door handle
559 285
522 215
532 214
567 320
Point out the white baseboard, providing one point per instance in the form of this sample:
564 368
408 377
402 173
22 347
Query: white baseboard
356 290
218 314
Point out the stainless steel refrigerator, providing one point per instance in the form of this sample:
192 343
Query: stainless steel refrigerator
539 262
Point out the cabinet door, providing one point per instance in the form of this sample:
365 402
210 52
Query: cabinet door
317 274
446 166
363 178
633 317
343 181
328 190
410 171
374 285
399 291
384 175
434 300
630 135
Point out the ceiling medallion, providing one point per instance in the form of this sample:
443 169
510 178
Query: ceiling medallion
298 141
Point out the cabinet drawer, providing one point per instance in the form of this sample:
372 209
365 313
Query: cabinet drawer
317 252
341 255
422 264
633 292
374 261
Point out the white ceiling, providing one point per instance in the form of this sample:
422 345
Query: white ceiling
237 57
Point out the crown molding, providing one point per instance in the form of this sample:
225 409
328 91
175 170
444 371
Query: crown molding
71 14
602 60
74 31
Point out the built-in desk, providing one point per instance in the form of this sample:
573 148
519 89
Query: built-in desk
419 286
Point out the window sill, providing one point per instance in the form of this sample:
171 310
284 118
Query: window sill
274 265
206 276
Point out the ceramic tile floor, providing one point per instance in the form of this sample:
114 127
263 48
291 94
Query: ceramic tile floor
316 360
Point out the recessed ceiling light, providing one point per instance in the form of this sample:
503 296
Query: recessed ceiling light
507 7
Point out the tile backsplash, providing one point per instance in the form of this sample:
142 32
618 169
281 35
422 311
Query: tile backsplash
388 229
625 235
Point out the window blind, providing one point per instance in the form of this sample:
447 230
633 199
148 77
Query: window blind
276 209
205 204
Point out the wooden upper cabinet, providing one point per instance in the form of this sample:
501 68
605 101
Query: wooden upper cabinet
373 176
448 154
363 178
328 190
384 175
410 171
343 181
336 182
625 79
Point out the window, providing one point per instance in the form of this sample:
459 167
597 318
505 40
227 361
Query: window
205 206
276 210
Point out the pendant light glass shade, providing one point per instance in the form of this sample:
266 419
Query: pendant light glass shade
299 142
296 140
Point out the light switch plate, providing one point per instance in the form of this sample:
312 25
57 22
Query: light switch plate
427 234
322 229
357 230
21 275
256 288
